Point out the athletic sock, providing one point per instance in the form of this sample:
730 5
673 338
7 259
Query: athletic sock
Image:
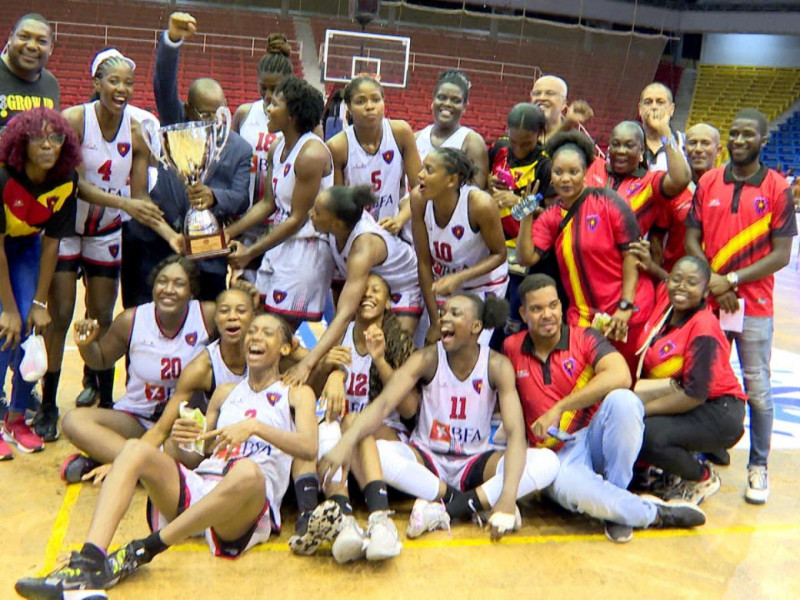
306 489
343 502
153 544
89 377
50 388
95 555
464 505
376 496
105 388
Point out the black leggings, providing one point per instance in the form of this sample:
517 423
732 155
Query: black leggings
670 440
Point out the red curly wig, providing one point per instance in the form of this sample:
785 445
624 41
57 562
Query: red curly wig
14 141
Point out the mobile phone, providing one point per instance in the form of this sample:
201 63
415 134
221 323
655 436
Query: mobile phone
563 436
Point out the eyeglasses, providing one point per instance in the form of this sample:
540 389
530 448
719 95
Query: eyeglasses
55 139
545 93
205 115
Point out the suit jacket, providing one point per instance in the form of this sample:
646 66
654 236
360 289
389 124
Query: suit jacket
229 178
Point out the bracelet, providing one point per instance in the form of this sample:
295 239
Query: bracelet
40 304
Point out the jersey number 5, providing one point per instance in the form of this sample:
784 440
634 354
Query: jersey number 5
376 181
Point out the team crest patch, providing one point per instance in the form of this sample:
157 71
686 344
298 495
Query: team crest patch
388 156
286 169
114 250
396 298
458 231
51 202
569 366
634 187
666 349
592 221
191 338
273 397
761 205
123 148
278 296
440 432
477 385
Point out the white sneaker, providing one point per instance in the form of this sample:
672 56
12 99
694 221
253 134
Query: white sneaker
384 541
427 516
350 544
757 485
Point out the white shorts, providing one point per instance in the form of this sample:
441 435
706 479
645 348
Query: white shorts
295 278
98 255
453 470
194 487
408 302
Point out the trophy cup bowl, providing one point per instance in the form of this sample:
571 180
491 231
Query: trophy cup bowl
190 150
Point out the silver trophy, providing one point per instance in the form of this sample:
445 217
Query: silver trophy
190 151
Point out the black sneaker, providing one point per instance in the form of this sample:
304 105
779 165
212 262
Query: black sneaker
75 466
88 397
79 574
126 559
676 514
618 533
720 457
45 423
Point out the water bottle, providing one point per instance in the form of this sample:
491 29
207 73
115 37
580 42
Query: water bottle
526 206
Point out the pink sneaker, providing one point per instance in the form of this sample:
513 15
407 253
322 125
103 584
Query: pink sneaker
19 433
6 453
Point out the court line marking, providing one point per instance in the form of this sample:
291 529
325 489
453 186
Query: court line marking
55 543
60 528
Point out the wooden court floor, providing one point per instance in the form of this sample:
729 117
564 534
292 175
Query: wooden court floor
743 552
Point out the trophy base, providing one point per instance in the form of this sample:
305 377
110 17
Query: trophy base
200 247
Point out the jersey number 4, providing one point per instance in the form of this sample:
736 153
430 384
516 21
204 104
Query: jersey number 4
458 408
105 170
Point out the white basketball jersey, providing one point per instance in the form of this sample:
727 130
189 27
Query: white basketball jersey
456 246
155 361
456 140
108 166
283 182
141 115
383 171
399 269
270 407
220 373
357 384
254 131
455 416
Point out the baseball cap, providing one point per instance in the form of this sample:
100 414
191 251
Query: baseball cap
104 55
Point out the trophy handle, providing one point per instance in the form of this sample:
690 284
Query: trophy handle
150 133
222 129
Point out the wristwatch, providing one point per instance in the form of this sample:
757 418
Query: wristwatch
733 279
625 305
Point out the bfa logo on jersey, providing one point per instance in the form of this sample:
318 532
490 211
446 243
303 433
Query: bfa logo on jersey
569 366
123 148
278 296
592 221
286 169
388 156
477 385
458 231
666 349
191 338
273 397
440 432
761 205
114 251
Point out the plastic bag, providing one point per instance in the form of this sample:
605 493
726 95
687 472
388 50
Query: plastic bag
34 362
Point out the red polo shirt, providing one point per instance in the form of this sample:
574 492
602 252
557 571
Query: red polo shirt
738 220
589 253
567 369
672 221
641 189
694 352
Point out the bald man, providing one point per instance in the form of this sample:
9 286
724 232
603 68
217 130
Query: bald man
657 97
549 93
226 191
703 149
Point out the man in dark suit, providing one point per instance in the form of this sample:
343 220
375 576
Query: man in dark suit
225 192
